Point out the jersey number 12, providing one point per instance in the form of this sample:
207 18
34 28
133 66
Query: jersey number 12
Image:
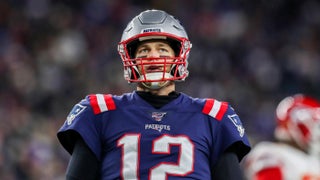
130 144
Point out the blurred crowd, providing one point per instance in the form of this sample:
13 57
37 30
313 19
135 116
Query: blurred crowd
55 52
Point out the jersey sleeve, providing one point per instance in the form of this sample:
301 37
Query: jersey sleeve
84 121
229 133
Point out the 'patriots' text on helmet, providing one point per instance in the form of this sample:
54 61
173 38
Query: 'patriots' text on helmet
149 25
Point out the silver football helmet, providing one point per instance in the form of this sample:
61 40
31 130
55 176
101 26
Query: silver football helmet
149 25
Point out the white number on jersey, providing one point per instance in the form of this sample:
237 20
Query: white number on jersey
130 144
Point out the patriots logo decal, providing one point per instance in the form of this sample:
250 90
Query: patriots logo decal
76 110
236 121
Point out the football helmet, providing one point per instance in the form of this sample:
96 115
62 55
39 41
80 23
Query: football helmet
149 25
298 121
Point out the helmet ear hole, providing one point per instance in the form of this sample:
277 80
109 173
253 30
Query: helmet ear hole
304 132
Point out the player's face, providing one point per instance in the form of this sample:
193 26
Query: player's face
157 56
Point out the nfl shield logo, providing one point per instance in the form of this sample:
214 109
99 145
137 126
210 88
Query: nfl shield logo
236 121
158 115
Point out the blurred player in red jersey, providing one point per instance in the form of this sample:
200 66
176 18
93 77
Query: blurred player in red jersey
296 155
155 132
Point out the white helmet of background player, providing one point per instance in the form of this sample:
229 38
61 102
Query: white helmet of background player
149 25
298 120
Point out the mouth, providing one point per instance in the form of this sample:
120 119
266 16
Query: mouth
151 69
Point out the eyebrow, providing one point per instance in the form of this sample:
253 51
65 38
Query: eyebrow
161 44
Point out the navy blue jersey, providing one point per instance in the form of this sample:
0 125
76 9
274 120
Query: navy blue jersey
134 140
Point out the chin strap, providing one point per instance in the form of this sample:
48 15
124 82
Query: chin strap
154 77
155 85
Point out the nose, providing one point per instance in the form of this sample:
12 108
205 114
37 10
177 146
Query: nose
153 53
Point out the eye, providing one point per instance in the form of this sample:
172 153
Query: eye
163 50
142 52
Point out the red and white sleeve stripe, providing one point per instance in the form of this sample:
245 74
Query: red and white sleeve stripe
215 108
101 103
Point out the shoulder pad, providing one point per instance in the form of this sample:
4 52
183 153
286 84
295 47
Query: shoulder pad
215 108
101 103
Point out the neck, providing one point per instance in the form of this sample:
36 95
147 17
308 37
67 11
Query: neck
164 91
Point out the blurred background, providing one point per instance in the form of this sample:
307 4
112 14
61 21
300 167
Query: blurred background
55 52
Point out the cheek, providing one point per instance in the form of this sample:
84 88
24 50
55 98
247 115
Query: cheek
168 67
140 67
170 62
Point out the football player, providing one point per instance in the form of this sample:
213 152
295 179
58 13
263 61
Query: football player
153 132
296 154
